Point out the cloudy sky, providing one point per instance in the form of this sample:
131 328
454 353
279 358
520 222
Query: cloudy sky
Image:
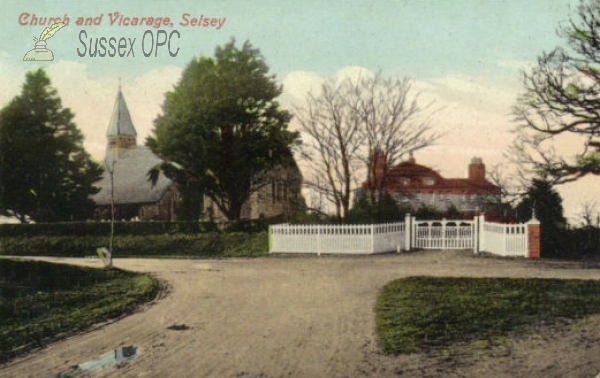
465 56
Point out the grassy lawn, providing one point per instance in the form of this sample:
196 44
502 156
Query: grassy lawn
419 314
40 300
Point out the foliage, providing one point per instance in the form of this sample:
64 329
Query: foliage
45 173
348 123
418 314
221 128
40 300
549 211
103 228
561 100
581 242
207 245
427 212
384 211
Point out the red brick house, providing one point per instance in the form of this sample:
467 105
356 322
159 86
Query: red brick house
416 185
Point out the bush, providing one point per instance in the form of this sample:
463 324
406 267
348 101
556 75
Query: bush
133 228
103 228
386 210
575 243
207 245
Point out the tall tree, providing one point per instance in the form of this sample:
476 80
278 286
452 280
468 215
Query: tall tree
561 102
45 173
222 128
547 203
357 125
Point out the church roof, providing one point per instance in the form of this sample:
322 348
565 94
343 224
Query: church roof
130 178
120 121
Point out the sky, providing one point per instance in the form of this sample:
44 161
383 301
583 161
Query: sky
464 57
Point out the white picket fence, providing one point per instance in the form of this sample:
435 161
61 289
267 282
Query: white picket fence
343 239
504 239
478 235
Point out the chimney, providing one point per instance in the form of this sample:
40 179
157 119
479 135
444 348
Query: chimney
477 169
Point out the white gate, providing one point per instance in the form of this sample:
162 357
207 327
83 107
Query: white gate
444 234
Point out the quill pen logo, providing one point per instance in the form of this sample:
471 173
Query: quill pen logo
40 52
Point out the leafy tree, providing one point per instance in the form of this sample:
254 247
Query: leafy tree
561 100
221 127
547 203
45 173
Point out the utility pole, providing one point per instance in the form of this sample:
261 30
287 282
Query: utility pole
105 254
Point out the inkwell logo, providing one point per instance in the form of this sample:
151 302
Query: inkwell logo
40 52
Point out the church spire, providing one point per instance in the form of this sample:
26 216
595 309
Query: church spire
121 132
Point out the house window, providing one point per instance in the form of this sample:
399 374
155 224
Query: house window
405 181
429 181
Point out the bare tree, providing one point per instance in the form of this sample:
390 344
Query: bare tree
334 143
352 123
589 215
562 100
392 123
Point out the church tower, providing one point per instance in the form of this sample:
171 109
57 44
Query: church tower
121 132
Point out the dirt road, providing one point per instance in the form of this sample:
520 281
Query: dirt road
306 317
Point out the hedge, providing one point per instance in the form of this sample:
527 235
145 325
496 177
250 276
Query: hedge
206 245
132 228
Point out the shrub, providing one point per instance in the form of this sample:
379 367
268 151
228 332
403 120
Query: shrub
206 245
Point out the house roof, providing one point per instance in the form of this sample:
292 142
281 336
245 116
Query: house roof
409 177
411 169
130 178
120 121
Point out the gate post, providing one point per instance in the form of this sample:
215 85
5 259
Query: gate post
407 231
476 236
481 233
534 238
413 232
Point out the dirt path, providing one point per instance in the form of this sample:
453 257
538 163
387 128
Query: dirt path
306 317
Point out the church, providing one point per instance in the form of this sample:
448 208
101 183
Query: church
125 181
125 178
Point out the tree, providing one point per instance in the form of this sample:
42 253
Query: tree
222 129
45 173
365 123
589 215
561 101
547 203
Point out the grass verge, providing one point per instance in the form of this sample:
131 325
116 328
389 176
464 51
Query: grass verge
40 301
418 314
